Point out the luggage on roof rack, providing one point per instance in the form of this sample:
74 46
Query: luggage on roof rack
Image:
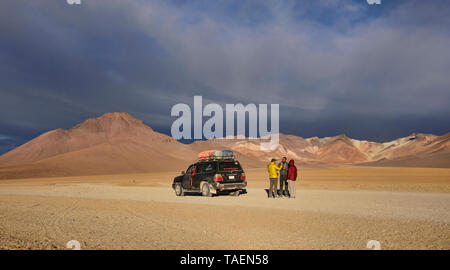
216 154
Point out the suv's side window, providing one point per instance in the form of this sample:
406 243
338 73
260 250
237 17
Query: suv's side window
200 168
190 169
205 167
209 167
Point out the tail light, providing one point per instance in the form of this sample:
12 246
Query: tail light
218 177
242 176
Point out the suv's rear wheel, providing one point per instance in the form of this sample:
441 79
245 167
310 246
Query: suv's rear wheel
179 189
205 190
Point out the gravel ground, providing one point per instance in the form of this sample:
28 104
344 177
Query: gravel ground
103 216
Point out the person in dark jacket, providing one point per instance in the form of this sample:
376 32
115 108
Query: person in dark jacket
283 177
291 178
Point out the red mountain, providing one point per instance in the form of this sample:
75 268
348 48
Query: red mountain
119 143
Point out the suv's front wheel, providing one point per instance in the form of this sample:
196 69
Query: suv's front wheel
205 190
179 189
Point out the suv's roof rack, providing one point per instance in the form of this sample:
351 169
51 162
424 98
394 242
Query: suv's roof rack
216 155
216 159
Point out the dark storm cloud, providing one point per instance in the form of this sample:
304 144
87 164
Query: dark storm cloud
334 66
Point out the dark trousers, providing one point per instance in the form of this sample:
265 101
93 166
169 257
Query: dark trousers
283 184
273 187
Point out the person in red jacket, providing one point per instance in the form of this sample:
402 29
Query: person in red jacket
292 176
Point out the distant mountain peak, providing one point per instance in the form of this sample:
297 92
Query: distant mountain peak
118 115
111 121
342 136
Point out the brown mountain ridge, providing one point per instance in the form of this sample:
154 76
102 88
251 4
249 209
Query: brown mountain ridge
119 143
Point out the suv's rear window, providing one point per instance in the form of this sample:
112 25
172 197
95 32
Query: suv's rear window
229 166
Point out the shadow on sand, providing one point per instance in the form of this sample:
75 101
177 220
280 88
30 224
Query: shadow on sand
278 192
222 193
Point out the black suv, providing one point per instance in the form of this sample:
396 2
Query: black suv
211 177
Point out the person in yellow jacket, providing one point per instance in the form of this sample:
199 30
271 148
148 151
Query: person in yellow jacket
273 169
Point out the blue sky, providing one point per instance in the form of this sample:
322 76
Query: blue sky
373 72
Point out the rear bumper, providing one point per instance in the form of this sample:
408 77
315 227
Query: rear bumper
231 186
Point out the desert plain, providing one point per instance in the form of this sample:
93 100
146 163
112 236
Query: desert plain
335 208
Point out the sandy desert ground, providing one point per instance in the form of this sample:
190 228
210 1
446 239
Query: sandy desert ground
336 208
